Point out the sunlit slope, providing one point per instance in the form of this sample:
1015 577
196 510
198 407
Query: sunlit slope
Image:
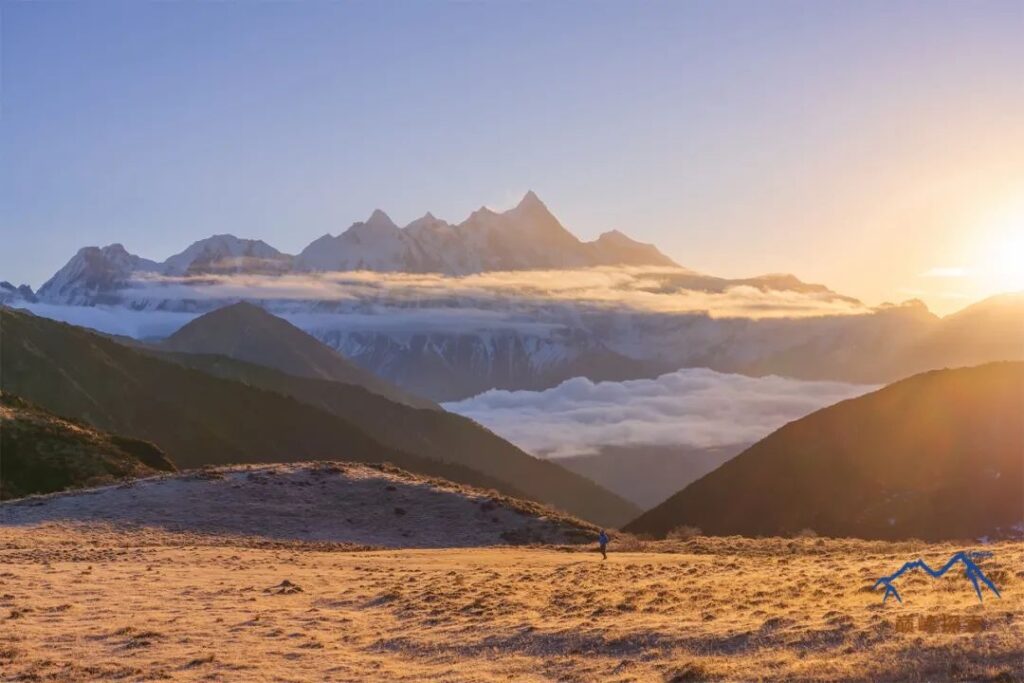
199 419
992 329
937 456
85 602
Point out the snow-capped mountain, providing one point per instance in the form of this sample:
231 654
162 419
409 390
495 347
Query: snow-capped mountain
97 275
525 237
12 296
374 244
94 275
226 254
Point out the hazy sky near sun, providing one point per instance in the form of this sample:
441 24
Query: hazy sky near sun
876 147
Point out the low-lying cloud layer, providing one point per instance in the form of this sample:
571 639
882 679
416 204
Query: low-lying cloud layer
696 408
640 289
116 320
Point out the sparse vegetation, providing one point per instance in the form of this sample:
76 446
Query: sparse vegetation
681 533
41 453
693 609
378 504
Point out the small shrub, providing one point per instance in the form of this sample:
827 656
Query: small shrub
682 533
629 543
690 672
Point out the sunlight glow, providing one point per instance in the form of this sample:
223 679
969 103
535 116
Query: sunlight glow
1001 257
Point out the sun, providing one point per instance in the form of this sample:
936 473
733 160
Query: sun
1001 258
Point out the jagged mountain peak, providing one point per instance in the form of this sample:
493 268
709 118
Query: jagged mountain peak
224 252
483 211
532 208
531 232
616 248
228 243
530 199
379 219
93 274
614 235
527 236
10 294
426 221
115 251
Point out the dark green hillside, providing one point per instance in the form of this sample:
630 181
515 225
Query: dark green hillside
43 453
199 419
246 332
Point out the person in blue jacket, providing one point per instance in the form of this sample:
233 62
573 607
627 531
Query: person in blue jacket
602 542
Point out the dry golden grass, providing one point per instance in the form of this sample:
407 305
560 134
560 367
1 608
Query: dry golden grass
94 603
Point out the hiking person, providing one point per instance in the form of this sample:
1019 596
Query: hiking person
602 542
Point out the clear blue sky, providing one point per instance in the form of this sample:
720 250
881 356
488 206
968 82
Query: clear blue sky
854 143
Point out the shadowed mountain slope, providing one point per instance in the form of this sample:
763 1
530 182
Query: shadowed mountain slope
248 333
435 434
42 453
937 456
199 419
648 474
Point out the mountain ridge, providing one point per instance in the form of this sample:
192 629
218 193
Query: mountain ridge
527 236
247 332
935 456
368 505
202 419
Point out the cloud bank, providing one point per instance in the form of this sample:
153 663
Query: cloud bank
637 289
696 408
114 319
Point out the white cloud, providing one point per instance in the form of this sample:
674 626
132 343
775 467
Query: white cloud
115 319
638 289
691 407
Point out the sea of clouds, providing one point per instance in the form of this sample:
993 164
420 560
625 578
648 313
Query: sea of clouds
642 289
695 408
154 305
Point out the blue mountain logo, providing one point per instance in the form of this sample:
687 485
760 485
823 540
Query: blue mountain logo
971 570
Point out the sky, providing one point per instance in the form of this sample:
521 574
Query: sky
875 147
